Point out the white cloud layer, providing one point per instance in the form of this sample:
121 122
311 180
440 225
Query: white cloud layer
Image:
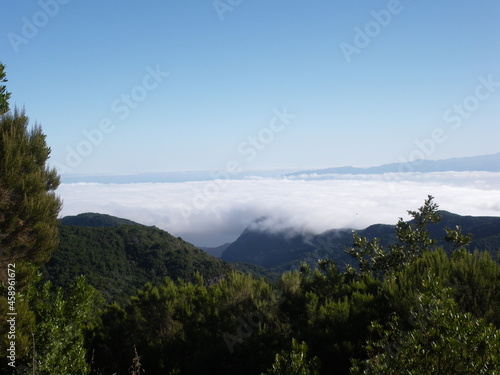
209 213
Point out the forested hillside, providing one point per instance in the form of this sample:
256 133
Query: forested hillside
118 256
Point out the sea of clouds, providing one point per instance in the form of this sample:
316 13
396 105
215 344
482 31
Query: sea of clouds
212 212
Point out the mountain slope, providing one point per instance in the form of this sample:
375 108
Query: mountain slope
265 248
119 256
488 163
286 250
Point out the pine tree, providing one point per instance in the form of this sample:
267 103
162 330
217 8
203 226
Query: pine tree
28 218
4 94
28 204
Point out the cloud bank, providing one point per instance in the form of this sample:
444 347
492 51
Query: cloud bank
210 213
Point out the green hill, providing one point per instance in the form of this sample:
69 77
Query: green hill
91 219
119 256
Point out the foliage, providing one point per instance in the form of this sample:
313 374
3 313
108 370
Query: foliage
28 205
4 94
334 312
437 339
294 362
58 345
414 240
118 260
184 327
457 238
25 323
474 279
28 220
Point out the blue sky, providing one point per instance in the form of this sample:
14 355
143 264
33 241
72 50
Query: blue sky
206 79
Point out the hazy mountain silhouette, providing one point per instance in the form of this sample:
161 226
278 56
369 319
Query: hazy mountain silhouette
486 163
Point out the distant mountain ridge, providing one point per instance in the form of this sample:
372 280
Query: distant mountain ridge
287 249
484 163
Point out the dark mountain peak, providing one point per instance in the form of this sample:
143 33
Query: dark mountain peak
266 243
92 219
280 251
275 227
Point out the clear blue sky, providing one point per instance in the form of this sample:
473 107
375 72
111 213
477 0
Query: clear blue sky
73 65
